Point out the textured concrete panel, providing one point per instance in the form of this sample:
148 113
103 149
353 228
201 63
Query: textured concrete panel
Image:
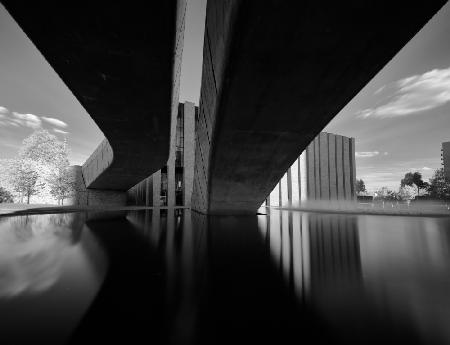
346 167
157 188
340 168
352 169
274 75
324 169
189 151
311 176
332 165
317 167
303 171
122 62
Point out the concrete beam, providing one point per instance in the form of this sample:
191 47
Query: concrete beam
122 62
274 74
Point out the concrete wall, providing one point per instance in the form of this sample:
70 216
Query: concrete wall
91 197
147 192
446 158
327 171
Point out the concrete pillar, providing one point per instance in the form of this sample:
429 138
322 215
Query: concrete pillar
289 187
332 166
280 195
346 153
352 169
156 179
310 175
149 191
268 201
189 151
303 176
339 168
317 167
323 161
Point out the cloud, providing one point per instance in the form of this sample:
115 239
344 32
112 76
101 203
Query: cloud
3 110
414 94
426 168
366 154
59 131
385 153
27 120
54 122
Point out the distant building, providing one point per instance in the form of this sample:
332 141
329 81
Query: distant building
325 170
445 158
172 185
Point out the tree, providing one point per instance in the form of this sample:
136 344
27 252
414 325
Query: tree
439 186
385 194
61 183
407 193
360 186
44 148
50 158
5 196
414 179
25 179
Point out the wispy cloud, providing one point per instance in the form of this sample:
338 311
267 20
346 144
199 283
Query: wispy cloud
3 110
414 94
365 154
59 131
54 122
27 120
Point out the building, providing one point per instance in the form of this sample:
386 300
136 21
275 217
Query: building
445 158
325 170
172 185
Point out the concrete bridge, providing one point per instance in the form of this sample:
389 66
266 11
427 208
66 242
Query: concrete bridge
122 62
274 74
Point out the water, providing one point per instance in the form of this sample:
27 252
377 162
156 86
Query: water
183 278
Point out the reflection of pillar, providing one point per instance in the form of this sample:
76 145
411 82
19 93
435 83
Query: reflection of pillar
289 186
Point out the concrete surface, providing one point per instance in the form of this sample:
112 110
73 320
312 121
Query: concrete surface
274 74
122 62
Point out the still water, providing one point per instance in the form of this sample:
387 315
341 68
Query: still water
183 278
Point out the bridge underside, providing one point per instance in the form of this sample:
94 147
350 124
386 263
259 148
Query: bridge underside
274 74
122 63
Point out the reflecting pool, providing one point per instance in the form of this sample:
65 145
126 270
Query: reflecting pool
173 277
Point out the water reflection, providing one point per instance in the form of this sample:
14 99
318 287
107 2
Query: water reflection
50 270
173 277
372 278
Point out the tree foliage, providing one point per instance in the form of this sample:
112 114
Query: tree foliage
5 196
385 194
25 178
42 164
360 186
407 193
439 187
414 178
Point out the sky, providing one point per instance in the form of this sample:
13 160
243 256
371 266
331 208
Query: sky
398 120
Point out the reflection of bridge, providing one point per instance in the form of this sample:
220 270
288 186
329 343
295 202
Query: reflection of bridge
273 76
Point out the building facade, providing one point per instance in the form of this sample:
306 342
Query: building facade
172 185
325 170
445 158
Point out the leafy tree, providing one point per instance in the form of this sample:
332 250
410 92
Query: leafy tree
44 149
5 196
407 193
385 194
439 186
360 186
25 179
414 179
61 183
50 159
